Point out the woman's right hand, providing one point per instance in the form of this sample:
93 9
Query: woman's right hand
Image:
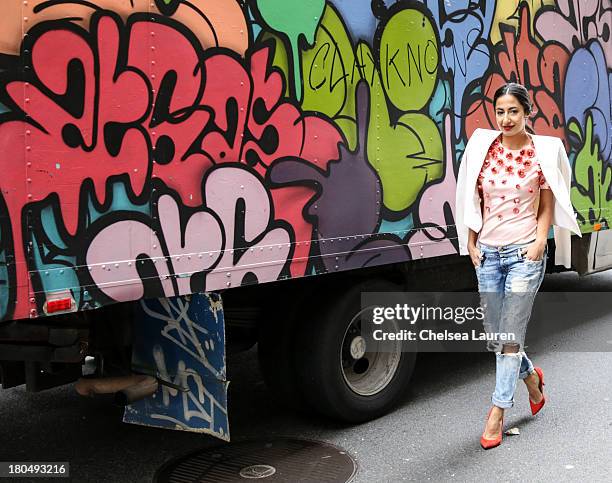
474 255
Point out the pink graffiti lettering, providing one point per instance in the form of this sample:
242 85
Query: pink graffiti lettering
112 259
114 251
256 245
577 21
238 210
195 248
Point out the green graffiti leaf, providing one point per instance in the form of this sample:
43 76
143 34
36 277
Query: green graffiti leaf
407 154
409 56
592 179
330 75
295 19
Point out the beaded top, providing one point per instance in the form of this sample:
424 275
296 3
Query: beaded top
508 185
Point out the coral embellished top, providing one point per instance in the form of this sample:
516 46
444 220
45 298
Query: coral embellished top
508 186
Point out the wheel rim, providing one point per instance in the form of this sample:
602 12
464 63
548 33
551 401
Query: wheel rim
369 367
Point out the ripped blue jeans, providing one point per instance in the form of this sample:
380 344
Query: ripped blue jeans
508 283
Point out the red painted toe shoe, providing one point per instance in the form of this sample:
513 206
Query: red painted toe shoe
492 443
535 408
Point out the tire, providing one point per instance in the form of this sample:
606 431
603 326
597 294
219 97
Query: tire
339 390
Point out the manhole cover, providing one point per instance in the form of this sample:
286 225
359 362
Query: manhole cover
281 460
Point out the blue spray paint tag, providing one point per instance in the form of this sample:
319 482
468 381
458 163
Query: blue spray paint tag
181 341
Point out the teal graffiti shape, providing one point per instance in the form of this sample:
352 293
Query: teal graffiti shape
120 202
56 271
295 20
400 228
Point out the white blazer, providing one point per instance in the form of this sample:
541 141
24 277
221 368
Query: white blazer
552 157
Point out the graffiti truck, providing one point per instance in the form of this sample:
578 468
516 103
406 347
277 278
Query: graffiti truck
181 180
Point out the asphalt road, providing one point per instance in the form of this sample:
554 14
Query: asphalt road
432 436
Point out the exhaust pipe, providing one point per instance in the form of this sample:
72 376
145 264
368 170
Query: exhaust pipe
127 389
145 388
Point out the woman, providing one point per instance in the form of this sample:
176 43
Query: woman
510 188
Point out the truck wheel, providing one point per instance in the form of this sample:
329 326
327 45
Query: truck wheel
340 375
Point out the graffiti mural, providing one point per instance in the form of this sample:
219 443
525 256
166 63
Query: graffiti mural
155 149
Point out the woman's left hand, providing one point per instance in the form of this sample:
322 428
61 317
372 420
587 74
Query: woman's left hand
535 251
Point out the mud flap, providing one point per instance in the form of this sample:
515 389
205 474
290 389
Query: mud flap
181 341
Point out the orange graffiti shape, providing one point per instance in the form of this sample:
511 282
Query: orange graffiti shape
219 23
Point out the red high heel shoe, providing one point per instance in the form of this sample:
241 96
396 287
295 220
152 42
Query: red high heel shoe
535 408
492 443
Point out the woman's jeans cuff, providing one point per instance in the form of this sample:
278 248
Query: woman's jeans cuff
502 404
508 367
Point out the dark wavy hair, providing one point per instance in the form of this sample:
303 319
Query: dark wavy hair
520 93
